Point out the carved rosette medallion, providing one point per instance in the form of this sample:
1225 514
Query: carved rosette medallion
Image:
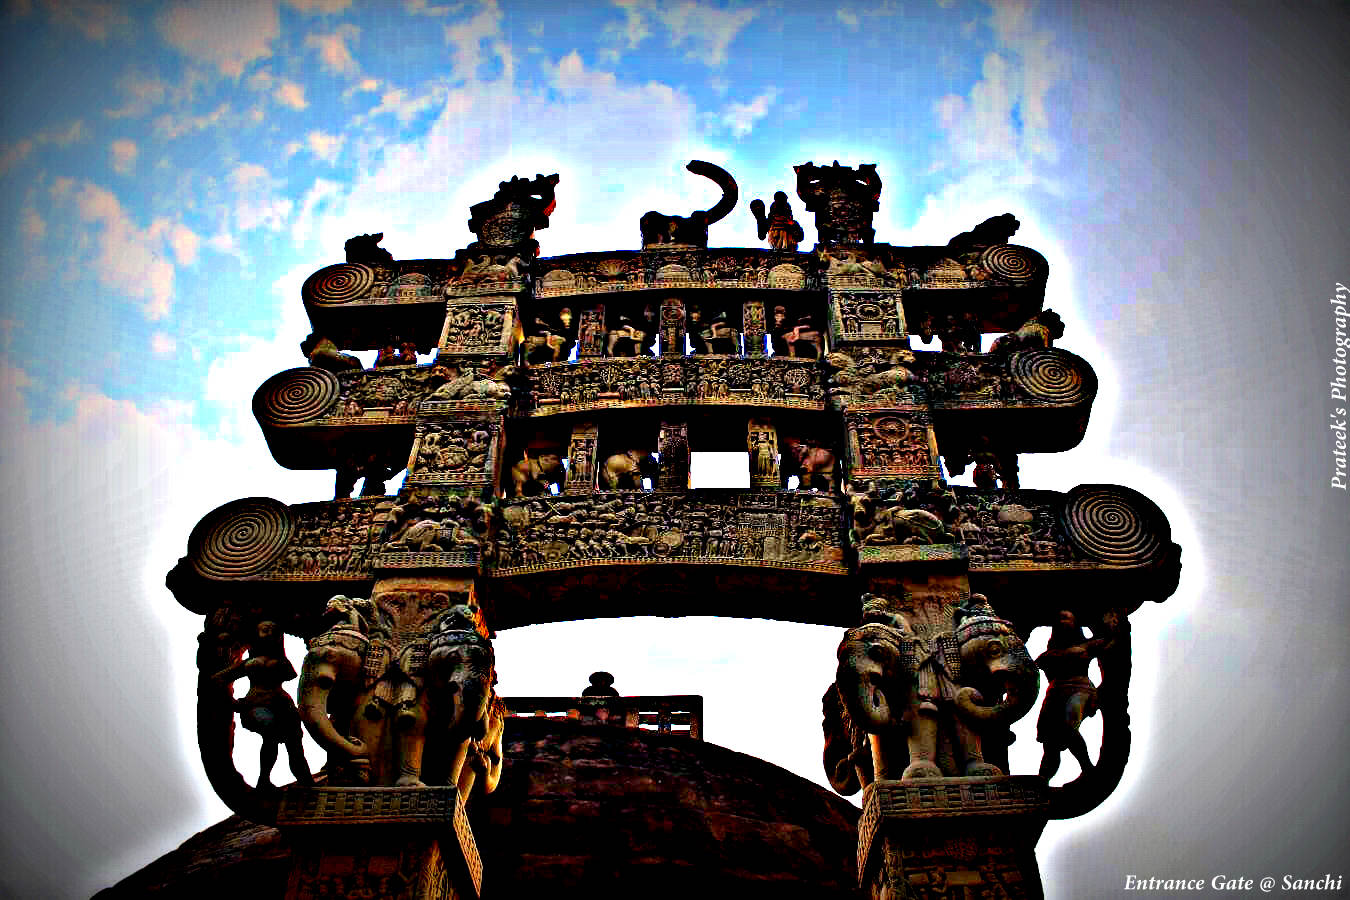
1115 525
339 284
866 316
241 538
296 396
1053 375
1014 263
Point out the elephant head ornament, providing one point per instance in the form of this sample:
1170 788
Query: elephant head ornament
402 706
912 700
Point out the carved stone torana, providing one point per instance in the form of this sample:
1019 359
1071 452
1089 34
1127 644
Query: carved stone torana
713 381
540 488
842 198
779 529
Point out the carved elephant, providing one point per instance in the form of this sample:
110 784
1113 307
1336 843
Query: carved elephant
405 710
907 708
624 470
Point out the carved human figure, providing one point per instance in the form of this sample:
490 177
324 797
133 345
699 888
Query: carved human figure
1071 696
266 709
781 229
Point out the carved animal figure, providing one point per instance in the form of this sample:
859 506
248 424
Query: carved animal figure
533 475
875 524
400 689
322 353
659 228
994 230
1038 333
364 249
623 471
914 706
816 464
469 385
850 378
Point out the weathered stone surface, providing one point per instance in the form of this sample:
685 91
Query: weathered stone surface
589 811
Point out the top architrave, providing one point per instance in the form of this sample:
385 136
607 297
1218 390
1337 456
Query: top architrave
359 305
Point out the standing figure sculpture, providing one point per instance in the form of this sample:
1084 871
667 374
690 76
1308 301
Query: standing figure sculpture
1071 696
783 231
267 710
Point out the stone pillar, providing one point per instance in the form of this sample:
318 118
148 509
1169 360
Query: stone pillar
387 843
582 465
762 442
752 326
673 445
591 333
672 327
967 838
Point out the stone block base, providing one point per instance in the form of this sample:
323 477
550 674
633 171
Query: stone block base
379 844
952 838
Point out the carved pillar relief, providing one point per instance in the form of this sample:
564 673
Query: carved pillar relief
591 333
891 443
674 449
672 327
481 328
581 454
752 318
868 317
762 442
461 454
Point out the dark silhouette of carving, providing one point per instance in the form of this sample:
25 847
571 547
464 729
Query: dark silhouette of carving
692 230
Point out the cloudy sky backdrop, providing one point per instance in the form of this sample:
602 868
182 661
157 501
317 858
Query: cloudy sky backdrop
170 174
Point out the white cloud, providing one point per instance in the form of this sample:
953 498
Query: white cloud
257 199
322 7
162 345
707 30
124 154
182 239
15 153
466 40
848 17
740 118
142 94
405 106
423 8
170 126
334 50
324 146
289 93
227 36
93 18
32 225
131 260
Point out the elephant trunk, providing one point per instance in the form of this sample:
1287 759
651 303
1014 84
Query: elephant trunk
316 682
1016 702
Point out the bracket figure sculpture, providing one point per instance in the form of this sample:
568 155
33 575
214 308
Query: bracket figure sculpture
692 230
401 706
915 699
266 709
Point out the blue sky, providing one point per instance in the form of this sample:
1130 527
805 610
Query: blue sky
171 173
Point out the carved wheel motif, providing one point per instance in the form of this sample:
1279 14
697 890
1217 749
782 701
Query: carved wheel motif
1052 375
339 284
240 538
1013 263
1114 524
295 396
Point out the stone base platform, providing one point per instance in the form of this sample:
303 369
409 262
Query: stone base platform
952 838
